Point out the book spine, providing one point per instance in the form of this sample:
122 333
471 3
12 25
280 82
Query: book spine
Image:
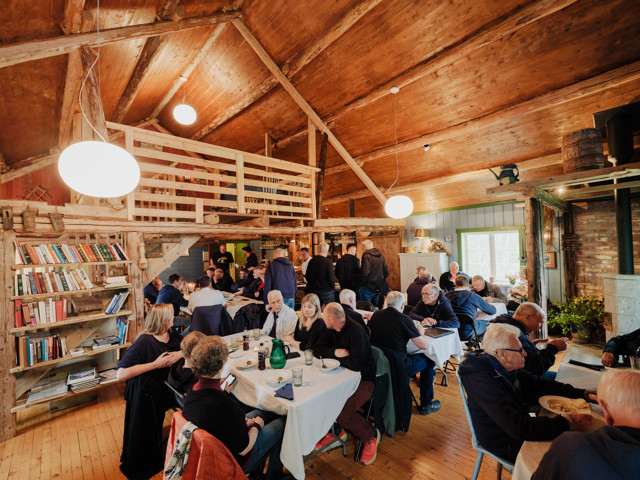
18 309
121 251
42 287
63 280
26 318
32 282
25 255
64 309
78 279
85 278
44 254
52 253
96 252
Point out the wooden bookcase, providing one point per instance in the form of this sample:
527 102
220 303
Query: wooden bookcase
78 329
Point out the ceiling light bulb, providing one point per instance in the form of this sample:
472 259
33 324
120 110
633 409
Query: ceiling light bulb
427 147
560 190
98 169
398 206
184 114
394 89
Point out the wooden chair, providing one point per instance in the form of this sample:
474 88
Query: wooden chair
502 463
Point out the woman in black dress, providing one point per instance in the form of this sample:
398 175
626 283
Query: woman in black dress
310 327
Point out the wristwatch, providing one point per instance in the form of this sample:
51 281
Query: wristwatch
256 426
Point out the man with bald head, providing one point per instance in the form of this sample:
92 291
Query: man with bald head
528 318
448 278
488 291
347 342
612 451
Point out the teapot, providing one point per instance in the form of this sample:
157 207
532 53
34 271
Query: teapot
278 357
508 174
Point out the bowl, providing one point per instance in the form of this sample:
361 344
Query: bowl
329 364
278 378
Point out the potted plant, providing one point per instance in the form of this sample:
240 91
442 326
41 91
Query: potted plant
581 315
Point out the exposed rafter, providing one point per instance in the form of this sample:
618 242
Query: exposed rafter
293 65
30 165
72 17
306 108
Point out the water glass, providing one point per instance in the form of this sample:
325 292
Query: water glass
256 334
297 377
234 345
308 357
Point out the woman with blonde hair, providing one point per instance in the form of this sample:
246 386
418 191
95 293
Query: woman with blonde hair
310 327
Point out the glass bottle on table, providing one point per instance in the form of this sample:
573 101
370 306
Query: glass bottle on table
262 357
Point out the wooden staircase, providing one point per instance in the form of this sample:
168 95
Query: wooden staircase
160 251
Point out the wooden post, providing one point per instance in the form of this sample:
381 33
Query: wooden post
8 388
311 145
535 249
322 163
134 240
240 182
569 254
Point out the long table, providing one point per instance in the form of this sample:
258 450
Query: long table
316 405
439 349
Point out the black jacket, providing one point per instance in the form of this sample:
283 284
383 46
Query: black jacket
320 276
626 345
224 284
414 290
498 402
441 311
347 268
537 361
373 271
447 284
355 316
211 320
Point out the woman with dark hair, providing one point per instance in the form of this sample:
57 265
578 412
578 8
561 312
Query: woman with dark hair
249 438
310 327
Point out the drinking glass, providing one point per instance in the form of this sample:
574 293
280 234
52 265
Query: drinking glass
297 377
308 357
256 334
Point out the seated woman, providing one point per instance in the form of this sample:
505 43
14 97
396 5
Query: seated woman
145 366
181 376
310 327
249 438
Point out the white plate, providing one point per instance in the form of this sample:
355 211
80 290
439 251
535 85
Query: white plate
279 378
548 400
329 364
246 364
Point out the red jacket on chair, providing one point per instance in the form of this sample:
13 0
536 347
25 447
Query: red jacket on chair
208 457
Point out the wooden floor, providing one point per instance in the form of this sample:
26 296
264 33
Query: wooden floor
85 442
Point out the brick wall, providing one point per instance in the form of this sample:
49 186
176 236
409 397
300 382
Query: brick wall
595 225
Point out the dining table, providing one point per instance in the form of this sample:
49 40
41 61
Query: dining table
439 349
314 408
236 302
531 453
501 309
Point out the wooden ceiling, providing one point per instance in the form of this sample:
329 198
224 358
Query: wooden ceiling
485 83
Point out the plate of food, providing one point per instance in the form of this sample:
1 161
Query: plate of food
326 364
278 378
246 363
564 405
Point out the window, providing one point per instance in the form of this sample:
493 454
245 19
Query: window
491 252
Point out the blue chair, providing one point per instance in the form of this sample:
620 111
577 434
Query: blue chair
502 463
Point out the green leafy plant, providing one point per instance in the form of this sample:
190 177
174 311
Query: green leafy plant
579 312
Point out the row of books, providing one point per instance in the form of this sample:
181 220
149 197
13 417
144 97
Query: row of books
78 380
40 348
62 280
79 253
38 313
116 302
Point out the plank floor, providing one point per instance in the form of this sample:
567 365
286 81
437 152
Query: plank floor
85 442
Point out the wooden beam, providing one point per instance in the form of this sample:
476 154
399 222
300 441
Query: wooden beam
549 199
306 108
73 80
72 16
356 223
535 249
7 357
3 164
322 162
312 158
34 164
16 53
586 192
293 65
91 92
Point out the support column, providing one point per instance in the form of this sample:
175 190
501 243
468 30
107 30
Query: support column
535 251
8 387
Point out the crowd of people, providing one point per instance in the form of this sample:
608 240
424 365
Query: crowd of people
502 381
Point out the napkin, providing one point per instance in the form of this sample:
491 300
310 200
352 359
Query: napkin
285 392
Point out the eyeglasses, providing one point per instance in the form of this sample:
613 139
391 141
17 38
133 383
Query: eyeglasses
428 294
519 350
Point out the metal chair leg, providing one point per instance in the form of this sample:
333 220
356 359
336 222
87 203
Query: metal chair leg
476 467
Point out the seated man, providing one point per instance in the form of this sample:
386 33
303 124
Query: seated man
392 329
488 291
152 289
206 296
612 451
465 302
347 342
528 318
282 320
626 345
221 281
499 391
414 290
434 310
254 289
448 278
245 280
348 302
170 293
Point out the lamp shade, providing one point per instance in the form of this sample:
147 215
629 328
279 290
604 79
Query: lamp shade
421 233
398 206
98 169
184 114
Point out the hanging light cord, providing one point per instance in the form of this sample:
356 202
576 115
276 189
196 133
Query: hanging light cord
89 73
395 133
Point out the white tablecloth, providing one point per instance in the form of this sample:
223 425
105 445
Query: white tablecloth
501 309
532 452
236 303
439 349
316 405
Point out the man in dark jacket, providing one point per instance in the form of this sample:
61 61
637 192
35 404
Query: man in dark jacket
612 451
434 310
488 291
171 294
448 278
281 275
467 303
348 302
528 318
499 391
347 268
373 273
392 329
221 281
414 290
626 345
320 276
251 260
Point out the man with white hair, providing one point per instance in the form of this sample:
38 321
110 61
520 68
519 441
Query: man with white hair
611 452
320 276
373 273
281 275
448 278
392 329
348 302
499 391
282 319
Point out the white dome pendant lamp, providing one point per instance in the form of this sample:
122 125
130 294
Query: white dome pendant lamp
397 206
183 113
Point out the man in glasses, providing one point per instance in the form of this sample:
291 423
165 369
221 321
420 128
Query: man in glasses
434 310
499 391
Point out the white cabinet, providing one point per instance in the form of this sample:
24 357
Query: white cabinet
436 263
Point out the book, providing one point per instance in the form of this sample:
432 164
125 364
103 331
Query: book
79 376
85 278
108 376
18 309
48 391
86 304
104 342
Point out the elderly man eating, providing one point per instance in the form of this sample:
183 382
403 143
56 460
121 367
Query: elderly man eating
488 291
499 391
434 310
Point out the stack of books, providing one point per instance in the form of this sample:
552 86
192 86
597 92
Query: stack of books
108 376
39 347
116 282
81 380
105 342
116 303
38 313
48 391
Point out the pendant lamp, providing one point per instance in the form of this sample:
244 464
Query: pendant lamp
183 113
397 206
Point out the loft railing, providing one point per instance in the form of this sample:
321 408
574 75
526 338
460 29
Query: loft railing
184 180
